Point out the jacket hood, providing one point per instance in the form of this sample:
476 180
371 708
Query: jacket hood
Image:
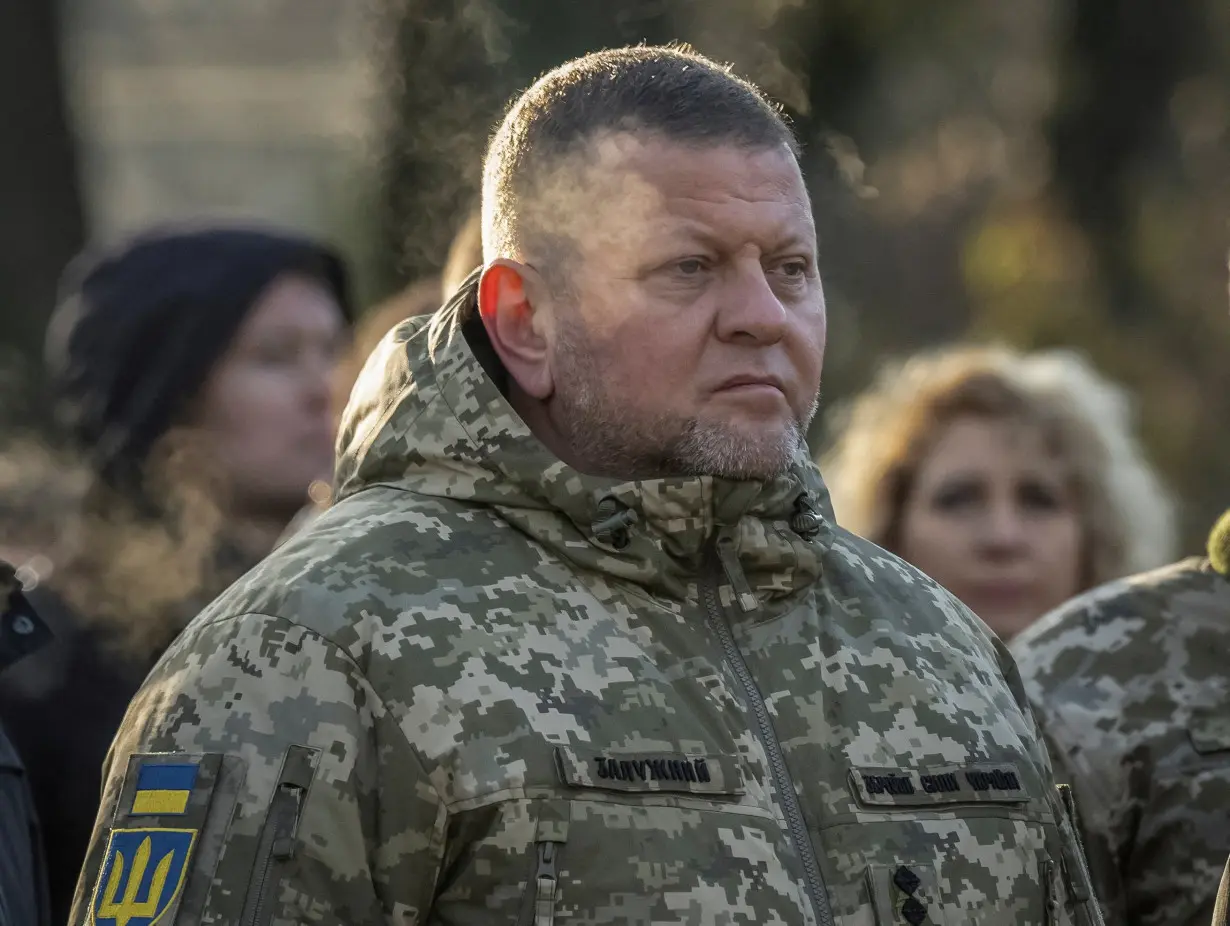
426 417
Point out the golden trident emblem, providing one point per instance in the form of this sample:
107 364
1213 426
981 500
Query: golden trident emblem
128 908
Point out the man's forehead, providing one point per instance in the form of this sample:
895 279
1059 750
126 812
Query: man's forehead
679 166
627 179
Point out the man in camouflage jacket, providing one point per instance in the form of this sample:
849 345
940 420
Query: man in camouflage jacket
638 677
1131 684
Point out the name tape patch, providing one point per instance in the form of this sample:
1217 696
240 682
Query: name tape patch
669 772
1000 783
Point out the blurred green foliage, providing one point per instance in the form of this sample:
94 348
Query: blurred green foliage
42 222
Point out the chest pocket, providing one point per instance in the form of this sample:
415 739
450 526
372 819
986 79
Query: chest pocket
634 837
644 837
956 844
992 785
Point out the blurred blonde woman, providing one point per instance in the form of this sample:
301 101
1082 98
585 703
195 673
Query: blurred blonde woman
1012 479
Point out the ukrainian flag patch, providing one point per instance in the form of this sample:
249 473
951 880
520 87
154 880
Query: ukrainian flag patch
142 873
164 788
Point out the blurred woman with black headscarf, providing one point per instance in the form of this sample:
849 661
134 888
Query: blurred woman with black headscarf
193 369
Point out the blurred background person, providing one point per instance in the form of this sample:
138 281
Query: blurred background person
1012 479
41 490
419 298
1129 684
193 370
23 875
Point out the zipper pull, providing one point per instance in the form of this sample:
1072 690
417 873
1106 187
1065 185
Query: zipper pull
545 882
734 574
546 861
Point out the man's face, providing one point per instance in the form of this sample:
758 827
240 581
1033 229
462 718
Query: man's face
692 338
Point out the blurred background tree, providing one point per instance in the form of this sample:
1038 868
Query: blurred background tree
41 216
1042 172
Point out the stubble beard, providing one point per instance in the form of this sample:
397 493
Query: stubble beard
621 441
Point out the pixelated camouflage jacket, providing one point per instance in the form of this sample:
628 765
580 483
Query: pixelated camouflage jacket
486 689
1131 683
1221 910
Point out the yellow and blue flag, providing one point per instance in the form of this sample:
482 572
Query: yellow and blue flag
164 788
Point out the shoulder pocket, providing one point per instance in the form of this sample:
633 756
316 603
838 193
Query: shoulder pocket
278 839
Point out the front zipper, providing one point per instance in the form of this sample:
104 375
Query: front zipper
538 903
728 563
278 842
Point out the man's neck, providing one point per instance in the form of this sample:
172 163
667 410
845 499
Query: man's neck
537 418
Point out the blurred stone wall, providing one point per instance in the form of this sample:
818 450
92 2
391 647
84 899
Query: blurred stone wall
258 108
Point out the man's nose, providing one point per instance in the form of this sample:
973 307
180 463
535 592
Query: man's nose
751 312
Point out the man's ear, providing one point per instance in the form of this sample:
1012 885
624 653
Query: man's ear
515 307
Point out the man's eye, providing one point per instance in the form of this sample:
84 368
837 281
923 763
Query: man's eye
691 266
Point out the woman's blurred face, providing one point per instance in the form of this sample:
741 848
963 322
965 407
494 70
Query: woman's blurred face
991 517
265 410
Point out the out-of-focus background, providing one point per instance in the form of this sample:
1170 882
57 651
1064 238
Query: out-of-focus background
1041 172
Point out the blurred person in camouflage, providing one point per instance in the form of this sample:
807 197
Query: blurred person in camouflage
23 875
1130 684
192 368
579 640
